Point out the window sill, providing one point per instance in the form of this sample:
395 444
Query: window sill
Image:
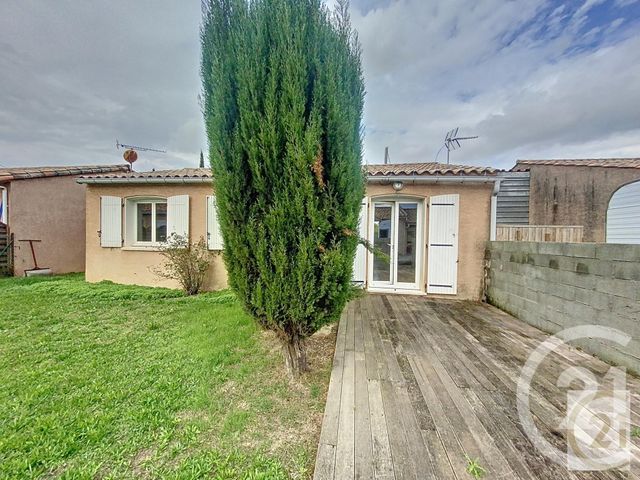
142 248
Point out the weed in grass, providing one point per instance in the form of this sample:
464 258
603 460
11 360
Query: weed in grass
474 468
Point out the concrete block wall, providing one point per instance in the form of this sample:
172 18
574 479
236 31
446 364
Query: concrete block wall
554 286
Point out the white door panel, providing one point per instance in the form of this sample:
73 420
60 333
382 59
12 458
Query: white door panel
360 260
442 275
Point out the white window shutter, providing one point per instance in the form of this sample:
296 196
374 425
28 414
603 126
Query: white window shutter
110 222
178 216
214 235
360 260
442 274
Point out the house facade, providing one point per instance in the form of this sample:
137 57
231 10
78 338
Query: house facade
129 216
46 205
431 221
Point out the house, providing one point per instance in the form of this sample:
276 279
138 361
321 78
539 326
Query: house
44 204
130 214
600 195
431 220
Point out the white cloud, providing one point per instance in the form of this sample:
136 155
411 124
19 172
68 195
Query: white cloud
501 70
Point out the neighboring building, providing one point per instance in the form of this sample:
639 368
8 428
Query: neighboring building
45 204
578 192
432 220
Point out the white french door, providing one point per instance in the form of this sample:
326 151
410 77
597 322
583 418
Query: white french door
396 233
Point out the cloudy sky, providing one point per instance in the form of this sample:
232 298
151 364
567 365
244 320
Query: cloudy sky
534 79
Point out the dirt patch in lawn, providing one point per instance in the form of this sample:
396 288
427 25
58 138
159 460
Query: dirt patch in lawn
295 432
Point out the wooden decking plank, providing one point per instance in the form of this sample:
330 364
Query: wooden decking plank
325 462
350 336
370 351
487 357
459 367
345 447
516 448
362 414
446 432
474 373
329 432
540 408
463 419
381 364
382 459
403 465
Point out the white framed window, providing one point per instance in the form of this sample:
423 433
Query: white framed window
146 221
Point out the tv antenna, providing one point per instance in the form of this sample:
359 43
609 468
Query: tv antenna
131 153
452 142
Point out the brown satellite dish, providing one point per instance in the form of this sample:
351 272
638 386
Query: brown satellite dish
130 156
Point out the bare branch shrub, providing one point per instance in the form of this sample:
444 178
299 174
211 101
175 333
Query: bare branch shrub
185 262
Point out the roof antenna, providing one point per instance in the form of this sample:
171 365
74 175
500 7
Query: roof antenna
131 153
386 155
452 142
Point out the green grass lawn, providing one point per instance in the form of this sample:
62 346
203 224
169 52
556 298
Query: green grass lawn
109 381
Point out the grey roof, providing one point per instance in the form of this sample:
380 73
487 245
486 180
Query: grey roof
24 173
181 175
524 165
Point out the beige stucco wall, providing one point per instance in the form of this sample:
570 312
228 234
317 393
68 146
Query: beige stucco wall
50 209
134 267
473 234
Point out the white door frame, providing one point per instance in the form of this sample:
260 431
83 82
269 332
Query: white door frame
393 283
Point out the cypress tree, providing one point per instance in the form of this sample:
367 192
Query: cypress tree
284 94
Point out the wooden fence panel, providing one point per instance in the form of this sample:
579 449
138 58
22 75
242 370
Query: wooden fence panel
540 233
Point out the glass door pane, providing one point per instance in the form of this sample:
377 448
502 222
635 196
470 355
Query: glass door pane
382 240
407 243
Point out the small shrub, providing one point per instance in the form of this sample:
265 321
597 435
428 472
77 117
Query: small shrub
185 262
474 468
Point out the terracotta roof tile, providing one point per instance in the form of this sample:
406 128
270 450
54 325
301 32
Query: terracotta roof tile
429 168
22 173
524 165
181 175
157 174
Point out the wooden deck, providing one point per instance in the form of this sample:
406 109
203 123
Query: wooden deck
420 386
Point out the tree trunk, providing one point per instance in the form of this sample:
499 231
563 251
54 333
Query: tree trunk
295 357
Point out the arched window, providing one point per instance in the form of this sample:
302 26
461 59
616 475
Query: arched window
623 215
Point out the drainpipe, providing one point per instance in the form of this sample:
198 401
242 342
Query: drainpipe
494 210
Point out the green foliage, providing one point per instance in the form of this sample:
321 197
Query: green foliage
124 382
474 468
185 262
635 432
284 94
